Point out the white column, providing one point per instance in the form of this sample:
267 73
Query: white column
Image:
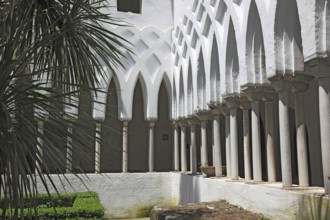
247 146
256 145
324 105
284 124
204 155
217 162
271 163
234 143
69 150
98 148
125 146
193 157
302 153
176 147
40 145
227 133
151 146
183 148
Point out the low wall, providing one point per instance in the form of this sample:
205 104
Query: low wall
130 194
269 199
122 194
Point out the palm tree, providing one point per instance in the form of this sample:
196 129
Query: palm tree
50 51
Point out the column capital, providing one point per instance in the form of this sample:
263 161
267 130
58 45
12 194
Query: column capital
232 101
203 115
293 83
216 109
320 67
225 111
193 121
183 123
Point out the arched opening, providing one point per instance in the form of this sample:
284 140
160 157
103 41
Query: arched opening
190 95
182 106
232 64
111 134
201 83
163 134
255 59
215 73
138 134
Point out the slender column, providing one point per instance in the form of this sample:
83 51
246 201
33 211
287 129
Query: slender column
324 104
193 158
302 154
256 145
69 150
284 124
271 163
151 146
98 148
247 146
40 145
125 146
234 143
204 155
227 133
183 148
283 87
176 147
217 162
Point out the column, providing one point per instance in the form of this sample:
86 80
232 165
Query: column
245 106
256 145
176 147
69 150
151 146
193 157
225 112
321 71
40 145
98 148
232 105
204 155
271 162
302 149
282 87
217 162
183 147
324 104
125 146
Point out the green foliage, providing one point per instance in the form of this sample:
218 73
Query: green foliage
85 205
51 52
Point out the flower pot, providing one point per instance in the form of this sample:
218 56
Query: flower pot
209 171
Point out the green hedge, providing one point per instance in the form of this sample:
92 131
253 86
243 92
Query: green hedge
85 205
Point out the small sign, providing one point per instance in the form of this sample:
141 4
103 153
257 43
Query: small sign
165 137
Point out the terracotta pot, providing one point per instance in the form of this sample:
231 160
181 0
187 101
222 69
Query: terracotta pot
209 171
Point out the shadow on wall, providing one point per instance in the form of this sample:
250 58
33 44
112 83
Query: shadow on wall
314 208
189 190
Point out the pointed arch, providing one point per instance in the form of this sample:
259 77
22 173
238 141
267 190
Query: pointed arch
190 95
255 51
201 83
215 73
111 142
232 63
175 104
181 95
288 42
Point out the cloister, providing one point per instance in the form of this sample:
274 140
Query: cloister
237 83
